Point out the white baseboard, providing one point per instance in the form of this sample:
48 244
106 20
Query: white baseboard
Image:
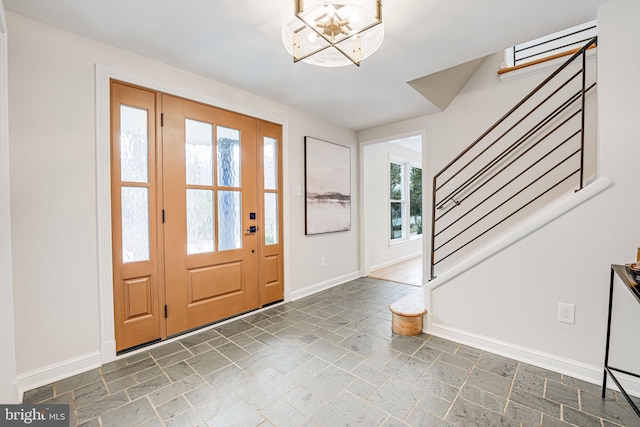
310 290
108 351
65 369
396 260
582 371
57 371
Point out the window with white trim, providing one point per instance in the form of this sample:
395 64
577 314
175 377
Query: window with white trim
405 201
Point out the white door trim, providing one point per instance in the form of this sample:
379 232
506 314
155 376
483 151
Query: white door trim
365 262
103 184
8 392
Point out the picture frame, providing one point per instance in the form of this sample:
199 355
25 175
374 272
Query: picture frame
327 187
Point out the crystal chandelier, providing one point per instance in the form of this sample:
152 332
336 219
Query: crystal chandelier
332 34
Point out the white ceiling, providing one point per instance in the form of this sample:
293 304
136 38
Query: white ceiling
238 42
413 143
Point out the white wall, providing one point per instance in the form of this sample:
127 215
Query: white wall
53 191
376 204
7 338
509 302
480 103
513 296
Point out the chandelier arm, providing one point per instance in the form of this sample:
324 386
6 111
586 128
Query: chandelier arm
303 57
368 27
339 49
356 63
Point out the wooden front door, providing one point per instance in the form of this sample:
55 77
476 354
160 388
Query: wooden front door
197 227
210 194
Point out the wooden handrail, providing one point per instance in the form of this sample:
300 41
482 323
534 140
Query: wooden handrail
542 60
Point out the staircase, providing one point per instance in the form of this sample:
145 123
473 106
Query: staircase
531 156
540 151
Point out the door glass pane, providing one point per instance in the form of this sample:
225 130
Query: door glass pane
229 223
135 224
270 218
415 201
396 220
134 144
228 157
270 163
200 231
199 152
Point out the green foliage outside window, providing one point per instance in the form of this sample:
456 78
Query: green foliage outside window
395 176
415 200
395 192
398 192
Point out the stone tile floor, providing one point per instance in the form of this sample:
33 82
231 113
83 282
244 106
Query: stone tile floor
328 360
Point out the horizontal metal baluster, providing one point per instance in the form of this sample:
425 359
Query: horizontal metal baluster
511 180
511 198
512 214
513 146
486 170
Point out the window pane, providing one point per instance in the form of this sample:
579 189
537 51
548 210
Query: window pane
229 223
396 220
270 218
228 157
135 224
415 202
134 146
270 163
199 152
395 179
200 233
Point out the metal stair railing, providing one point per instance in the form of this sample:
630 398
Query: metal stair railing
535 147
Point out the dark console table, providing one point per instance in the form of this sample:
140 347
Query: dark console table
628 279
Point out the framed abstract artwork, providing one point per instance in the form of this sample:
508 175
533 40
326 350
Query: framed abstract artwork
327 186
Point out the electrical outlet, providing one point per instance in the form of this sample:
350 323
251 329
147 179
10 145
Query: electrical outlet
323 262
566 313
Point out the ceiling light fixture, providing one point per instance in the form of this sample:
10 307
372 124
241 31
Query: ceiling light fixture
332 33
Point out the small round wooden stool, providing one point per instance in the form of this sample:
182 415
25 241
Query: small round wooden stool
407 314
